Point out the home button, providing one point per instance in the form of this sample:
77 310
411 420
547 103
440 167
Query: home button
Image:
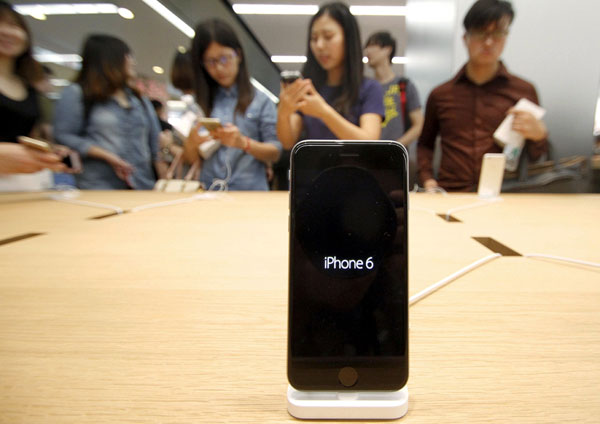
348 376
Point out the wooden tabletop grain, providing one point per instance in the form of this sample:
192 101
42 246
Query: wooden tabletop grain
178 314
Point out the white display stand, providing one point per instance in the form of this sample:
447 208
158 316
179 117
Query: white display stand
347 405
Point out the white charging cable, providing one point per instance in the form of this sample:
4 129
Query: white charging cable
219 184
434 287
68 194
563 259
199 196
485 202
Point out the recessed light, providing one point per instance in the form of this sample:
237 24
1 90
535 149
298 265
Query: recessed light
125 13
158 70
182 50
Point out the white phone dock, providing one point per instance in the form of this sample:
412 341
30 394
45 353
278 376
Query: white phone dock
384 405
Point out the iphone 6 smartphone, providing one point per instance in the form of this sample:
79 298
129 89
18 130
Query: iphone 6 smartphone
348 266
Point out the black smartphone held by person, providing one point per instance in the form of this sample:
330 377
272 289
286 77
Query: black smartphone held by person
348 266
288 77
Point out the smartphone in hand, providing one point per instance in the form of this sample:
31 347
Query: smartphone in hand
71 158
210 124
288 77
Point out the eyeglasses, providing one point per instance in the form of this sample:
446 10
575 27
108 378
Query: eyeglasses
497 35
221 60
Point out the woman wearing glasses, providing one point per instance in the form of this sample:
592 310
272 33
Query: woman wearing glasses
334 101
223 90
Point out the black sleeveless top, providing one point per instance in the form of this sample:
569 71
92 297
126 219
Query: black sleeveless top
18 117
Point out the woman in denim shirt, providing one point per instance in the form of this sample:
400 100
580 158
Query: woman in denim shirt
112 127
223 90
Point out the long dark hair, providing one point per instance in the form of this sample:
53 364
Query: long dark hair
182 72
26 66
353 66
102 69
215 30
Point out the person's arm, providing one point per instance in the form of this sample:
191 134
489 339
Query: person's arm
289 122
18 159
230 135
416 119
122 168
415 115
192 142
153 137
369 127
426 145
534 130
268 132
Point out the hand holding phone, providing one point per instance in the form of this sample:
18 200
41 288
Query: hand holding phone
230 135
211 124
69 158
292 95
18 159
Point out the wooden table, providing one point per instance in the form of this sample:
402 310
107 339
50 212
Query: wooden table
178 314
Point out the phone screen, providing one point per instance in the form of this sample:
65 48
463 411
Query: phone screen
348 293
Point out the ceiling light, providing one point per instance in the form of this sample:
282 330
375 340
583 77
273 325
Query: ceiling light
159 8
57 58
39 16
397 60
158 70
311 9
182 50
275 9
37 10
288 59
378 10
125 13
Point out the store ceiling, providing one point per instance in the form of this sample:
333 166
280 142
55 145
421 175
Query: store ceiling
155 41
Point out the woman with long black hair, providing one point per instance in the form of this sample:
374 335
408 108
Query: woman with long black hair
223 90
114 129
334 100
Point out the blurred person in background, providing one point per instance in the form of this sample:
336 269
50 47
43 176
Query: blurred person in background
114 128
467 110
403 113
19 107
